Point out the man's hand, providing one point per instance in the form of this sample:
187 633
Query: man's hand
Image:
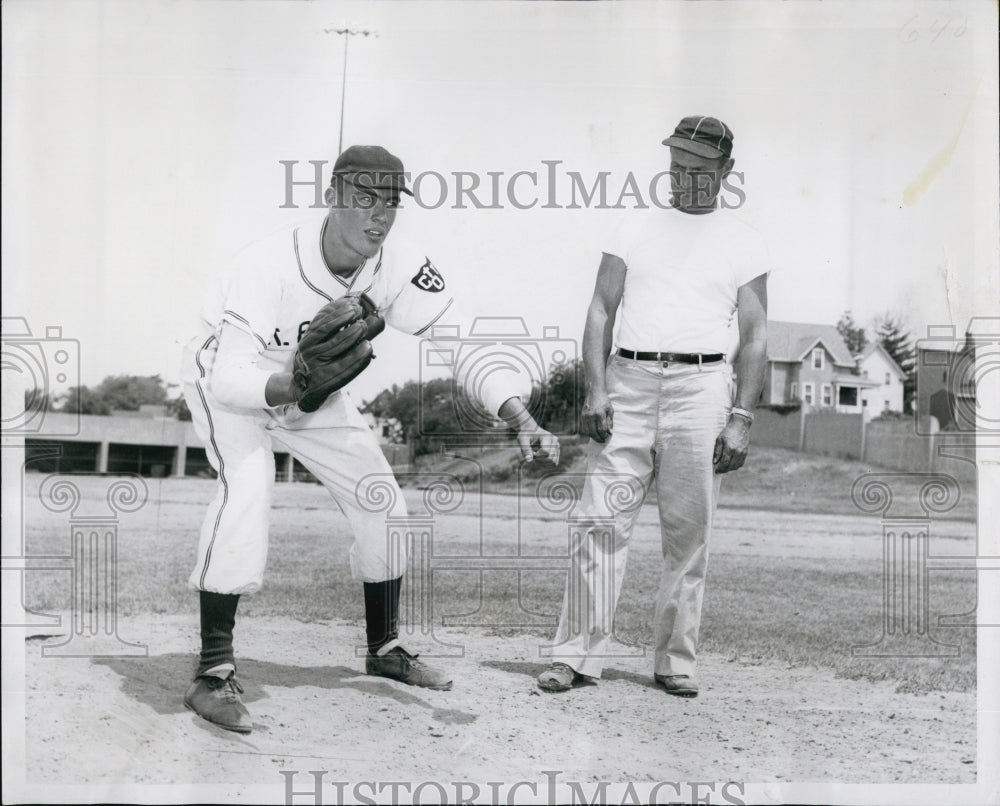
532 439
597 417
731 445
535 441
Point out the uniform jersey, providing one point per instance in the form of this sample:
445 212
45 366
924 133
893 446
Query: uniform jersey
683 273
276 286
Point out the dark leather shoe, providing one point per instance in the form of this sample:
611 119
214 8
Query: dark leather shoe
401 665
558 677
680 685
218 701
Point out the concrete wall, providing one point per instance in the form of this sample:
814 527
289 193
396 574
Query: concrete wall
895 444
832 434
125 430
891 444
777 430
154 446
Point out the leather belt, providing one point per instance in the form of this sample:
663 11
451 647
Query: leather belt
672 358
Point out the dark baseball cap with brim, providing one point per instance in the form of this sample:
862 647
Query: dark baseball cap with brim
702 135
371 167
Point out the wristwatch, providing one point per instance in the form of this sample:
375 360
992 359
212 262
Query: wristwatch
748 415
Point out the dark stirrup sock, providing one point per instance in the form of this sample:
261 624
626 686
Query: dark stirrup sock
218 617
381 612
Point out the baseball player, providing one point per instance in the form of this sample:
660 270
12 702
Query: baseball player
660 408
280 335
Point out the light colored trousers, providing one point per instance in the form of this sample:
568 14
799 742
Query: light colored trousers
666 421
334 443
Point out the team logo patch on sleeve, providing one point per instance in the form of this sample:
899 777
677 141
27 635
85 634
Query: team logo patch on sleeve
428 278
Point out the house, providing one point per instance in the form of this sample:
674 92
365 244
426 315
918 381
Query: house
387 430
946 382
876 364
811 364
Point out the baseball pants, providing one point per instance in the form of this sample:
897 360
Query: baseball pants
666 421
334 443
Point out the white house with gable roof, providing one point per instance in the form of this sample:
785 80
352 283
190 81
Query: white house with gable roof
877 365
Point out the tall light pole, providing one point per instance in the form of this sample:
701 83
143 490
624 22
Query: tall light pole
347 31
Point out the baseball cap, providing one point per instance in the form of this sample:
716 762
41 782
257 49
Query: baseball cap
371 167
702 135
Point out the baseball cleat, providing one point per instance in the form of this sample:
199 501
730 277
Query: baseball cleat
680 685
396 663
218 701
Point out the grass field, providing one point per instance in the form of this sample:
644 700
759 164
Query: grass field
775 479
760 605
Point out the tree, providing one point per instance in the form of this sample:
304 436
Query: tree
36 400
429 413
178 407
897 341
854 336
83 400
562 397
129 392
121 392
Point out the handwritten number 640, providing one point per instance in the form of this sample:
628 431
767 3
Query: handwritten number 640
912 29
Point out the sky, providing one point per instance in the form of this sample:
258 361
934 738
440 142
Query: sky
142 147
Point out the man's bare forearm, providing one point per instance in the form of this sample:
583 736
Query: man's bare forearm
750 365
596 346
516 414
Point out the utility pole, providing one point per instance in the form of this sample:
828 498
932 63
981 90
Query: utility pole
347 30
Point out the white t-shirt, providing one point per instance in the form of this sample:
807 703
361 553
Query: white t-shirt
275 287
683 275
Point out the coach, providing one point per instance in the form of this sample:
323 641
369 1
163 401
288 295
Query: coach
661 406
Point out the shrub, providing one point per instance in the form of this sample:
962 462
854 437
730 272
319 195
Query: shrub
783 408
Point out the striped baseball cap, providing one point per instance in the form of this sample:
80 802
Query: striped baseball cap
702 135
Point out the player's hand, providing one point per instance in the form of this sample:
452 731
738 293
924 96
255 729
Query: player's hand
731 445
535 442
597 417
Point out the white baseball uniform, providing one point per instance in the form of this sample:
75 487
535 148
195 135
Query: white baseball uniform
258 311
683 273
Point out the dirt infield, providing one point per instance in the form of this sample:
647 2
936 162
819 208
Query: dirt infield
97 728
116 720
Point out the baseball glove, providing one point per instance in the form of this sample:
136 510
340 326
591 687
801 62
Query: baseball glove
335 349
